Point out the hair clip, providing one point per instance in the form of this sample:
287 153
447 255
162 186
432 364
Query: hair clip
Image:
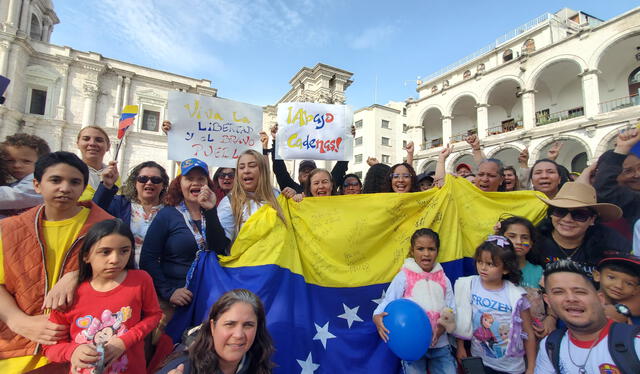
500 240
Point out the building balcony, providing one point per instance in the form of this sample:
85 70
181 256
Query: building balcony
431 143
505 126
619 103
543 117
461 136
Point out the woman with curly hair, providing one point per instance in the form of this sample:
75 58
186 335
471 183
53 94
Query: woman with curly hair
141 198
234 339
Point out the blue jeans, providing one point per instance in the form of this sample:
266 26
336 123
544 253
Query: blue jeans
439 360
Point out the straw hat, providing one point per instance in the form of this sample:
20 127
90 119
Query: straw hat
580 195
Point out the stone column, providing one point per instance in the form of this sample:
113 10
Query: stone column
61 108
117 108
89 108
529 109
4 57
125 98
447 128
482 112
12 15
590 92
24 17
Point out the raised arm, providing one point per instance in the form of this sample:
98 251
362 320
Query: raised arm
438 177
609 167
476 149
280 168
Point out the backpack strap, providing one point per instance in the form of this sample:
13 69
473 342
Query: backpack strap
552 346
622 338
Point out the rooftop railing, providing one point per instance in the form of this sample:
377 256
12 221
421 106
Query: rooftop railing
495 44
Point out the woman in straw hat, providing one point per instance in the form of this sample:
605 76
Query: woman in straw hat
572 228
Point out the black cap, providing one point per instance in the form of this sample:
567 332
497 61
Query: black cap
307 164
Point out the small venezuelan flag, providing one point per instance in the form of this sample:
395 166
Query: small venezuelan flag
126 119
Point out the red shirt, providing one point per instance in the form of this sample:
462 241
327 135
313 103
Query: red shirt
129 311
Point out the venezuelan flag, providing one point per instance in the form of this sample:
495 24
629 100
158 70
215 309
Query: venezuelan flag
126 119
322 274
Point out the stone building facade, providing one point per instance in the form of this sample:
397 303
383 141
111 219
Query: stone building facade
55 90
565 76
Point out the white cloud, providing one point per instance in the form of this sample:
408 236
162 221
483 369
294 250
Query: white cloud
186 34
372 36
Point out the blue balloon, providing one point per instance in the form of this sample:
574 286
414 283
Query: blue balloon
409 329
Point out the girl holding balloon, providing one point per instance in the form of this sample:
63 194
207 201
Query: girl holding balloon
423 281
494 313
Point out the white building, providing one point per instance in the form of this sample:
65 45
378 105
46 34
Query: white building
566 76
381 132
55 90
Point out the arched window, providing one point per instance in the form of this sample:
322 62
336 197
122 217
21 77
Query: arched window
467 74
634 82
36 28
529 46
507 55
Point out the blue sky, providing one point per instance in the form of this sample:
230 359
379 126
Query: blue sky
249 49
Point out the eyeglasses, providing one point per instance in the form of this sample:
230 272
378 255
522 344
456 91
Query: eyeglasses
144 179
578 215
352 184
226 175
398 176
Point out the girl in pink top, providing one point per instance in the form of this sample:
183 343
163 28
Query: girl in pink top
114 309
423 280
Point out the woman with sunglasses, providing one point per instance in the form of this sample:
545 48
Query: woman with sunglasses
223 182
351 185
140 201
572 228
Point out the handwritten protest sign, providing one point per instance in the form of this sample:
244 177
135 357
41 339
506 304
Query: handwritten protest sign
314 131
212 129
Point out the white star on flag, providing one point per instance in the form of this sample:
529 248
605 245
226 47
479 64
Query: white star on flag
323 334
350 315
378 301
308 367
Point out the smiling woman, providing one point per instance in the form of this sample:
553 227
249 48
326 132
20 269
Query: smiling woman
140 201
319 183
93 143
177 233
234 339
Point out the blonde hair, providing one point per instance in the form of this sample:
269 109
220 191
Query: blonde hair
264 192
106 136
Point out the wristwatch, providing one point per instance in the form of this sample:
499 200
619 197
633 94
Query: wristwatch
623 309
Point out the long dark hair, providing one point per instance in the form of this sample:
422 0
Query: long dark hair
202 354
516 185
504 253
563 173
129 189
414 177
97 232
376 179
533 256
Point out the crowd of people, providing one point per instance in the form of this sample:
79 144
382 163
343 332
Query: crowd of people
93 266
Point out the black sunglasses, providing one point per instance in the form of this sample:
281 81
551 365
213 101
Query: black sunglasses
226 175
578 215
144 179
